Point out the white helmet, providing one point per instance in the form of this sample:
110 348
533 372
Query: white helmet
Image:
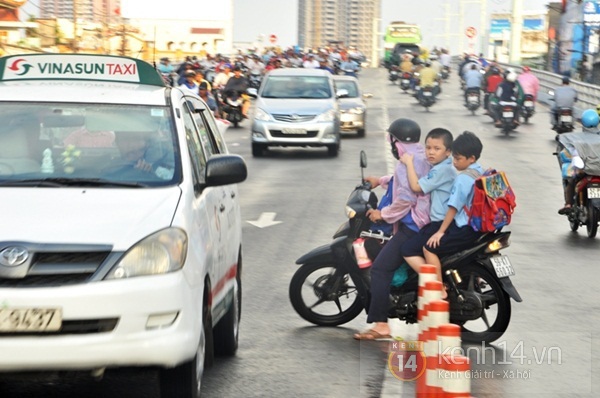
511 77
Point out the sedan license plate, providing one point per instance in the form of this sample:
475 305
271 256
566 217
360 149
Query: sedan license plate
566 119
593 193
502 266
507 114
528 103
30 319
294 131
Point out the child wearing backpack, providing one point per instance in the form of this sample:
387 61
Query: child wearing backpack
455 233
438 183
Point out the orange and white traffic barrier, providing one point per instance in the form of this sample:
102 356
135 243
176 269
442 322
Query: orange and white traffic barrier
449 342
455 376
427 273
430 292
438 314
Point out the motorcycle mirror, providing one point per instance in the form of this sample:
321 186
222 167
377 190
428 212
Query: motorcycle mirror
577 162
363 160
252 92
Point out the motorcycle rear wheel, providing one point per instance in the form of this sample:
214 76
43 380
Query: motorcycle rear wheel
477 279
322 296
592 221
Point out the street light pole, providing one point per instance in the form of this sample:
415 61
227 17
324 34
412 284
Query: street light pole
516 28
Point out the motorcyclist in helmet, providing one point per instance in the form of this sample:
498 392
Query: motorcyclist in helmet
408 212
507 91
569 158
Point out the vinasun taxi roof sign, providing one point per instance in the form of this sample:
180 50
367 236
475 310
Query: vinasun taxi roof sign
78 67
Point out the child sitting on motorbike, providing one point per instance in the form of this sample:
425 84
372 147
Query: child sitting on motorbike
408 212
454 233
589 121
438 183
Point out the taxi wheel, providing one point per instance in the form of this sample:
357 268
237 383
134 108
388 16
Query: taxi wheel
227 331
185 380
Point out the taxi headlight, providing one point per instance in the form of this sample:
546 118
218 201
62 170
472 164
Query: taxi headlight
328 116
158 254
261 115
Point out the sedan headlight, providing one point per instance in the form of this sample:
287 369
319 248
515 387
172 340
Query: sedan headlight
328 116
261 115
356 111
158 254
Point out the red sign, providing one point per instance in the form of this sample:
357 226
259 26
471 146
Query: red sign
471 32
273 39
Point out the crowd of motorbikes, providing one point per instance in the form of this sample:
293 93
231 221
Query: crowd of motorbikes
410 81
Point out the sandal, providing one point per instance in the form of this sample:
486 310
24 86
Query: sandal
372 335
565 210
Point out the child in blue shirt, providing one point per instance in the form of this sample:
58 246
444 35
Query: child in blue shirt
455 234
438 183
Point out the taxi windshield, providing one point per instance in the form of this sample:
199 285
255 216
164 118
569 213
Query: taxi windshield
51 144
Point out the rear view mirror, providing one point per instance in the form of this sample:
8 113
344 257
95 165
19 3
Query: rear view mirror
341 93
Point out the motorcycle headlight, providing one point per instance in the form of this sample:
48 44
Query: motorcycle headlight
328 116
158 254
261 115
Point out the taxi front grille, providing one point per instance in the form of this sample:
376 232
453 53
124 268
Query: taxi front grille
58 268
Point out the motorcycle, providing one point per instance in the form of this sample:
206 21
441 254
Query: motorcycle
528 107
564 121
405 81
232 108
426 97
586 204
330 289
473 100
394 74
445 72
508 116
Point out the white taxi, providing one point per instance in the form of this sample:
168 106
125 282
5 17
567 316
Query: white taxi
120 241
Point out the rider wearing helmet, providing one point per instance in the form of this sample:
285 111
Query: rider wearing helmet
409 211
507 91
570 158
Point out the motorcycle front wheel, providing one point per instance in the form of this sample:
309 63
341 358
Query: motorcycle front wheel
324 296
496 311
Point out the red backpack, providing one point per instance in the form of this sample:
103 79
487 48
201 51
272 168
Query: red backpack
493 201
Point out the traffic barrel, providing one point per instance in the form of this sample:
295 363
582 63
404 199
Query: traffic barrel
427 273
455 376
449 341
438 314
431 291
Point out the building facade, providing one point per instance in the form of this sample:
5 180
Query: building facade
347 22
99 11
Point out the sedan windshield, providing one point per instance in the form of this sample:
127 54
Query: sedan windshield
92 145
303 87
350 86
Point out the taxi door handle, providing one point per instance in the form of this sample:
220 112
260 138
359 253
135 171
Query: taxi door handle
222 208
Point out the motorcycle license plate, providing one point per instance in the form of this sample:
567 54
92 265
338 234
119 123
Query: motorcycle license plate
427 93
528 103
473 99
593 193
394 73
502 266
566 119
294 131
404 81
30 319
507 114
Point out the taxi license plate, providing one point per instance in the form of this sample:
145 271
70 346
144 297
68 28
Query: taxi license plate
502 266
566 119
294 131
30 319
507 114
528 103
427 93
593 193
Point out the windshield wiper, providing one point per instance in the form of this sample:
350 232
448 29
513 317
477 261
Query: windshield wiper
70 182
